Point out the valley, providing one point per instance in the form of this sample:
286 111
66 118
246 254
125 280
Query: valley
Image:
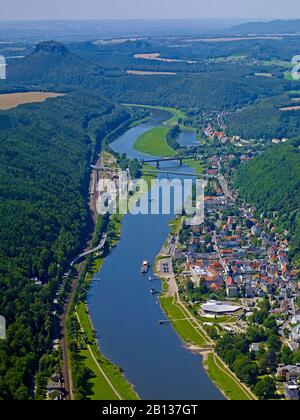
217 315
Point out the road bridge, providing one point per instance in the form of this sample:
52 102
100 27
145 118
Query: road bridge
91 251
166 172
158 161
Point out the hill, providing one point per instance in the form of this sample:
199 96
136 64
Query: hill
50 63
53 67
45 153
265 120
271 182
273 27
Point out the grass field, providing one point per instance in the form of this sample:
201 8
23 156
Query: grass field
154 143
278 63
108 382
12 100
114 230
224 379
176 113
150 73
175 225
288 76
148 178
263 75
220 320
185 328
229 59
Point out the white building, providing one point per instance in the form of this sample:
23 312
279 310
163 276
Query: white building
215 308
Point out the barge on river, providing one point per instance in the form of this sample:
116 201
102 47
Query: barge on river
145 267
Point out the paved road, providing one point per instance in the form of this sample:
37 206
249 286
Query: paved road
91 251
225 188
217 249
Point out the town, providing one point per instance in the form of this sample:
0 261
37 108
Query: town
233 273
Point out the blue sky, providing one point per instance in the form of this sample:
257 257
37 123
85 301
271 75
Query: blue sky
152 9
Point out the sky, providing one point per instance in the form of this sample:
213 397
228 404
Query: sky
148 9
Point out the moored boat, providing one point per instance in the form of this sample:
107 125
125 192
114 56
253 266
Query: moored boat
145 267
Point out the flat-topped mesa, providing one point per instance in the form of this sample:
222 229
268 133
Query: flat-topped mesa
50 47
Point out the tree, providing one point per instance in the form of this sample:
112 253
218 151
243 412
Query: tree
265 388
274 343
286 356
267 361
256 334
271 325
245 369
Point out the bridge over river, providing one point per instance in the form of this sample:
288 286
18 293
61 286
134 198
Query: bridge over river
158 161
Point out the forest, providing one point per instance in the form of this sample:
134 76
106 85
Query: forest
265 120
44 173
271 182
46 150
208 86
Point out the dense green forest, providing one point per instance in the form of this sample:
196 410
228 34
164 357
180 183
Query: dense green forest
208 86
192 53
272 183
46 150
265 120
44 171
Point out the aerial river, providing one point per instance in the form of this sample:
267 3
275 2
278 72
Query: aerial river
126 315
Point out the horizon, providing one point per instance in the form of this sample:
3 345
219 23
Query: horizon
245 19
83 10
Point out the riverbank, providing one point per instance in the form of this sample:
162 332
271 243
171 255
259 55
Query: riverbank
121 300
177 116
182 323
154 142
225 379
107 381
90 375
193 335
99 378
192 332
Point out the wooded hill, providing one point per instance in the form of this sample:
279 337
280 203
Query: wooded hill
271 182
45 155
207 87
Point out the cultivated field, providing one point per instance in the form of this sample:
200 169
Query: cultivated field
264 75
277 38
150 73
12 100
291 108
156 57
